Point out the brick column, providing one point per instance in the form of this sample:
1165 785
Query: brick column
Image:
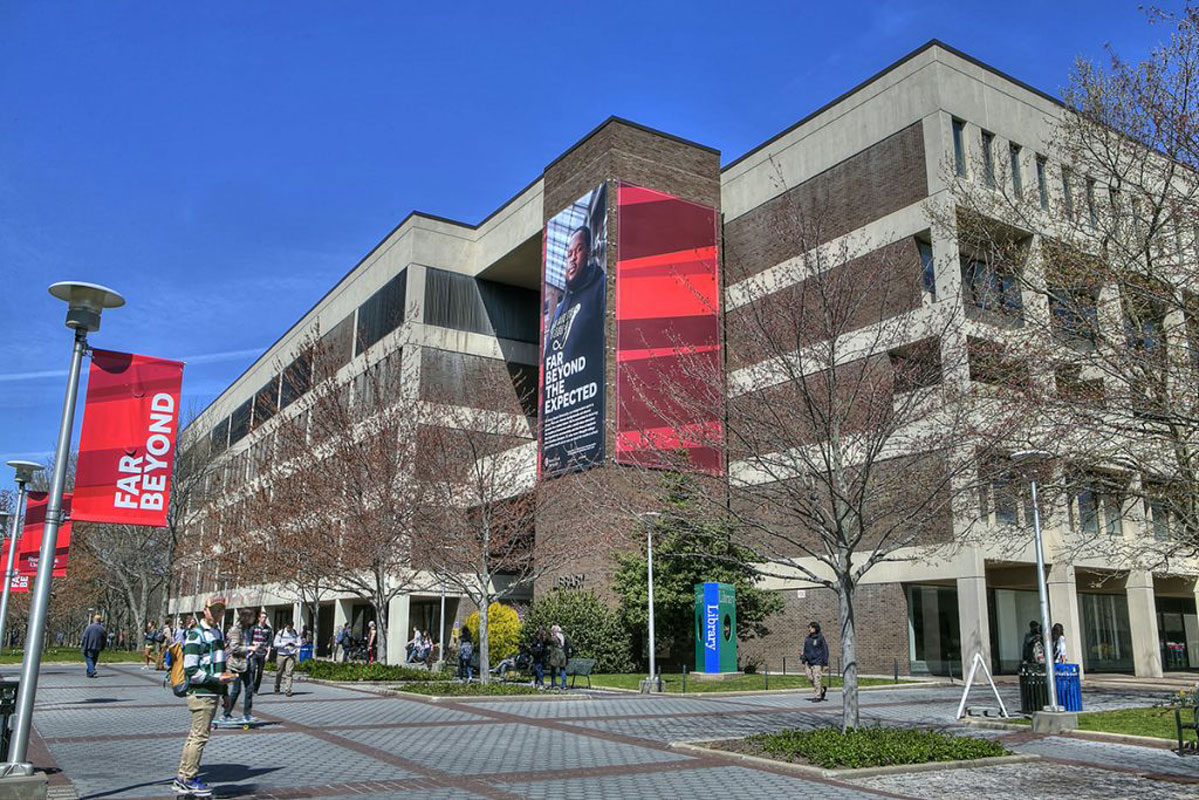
1142 618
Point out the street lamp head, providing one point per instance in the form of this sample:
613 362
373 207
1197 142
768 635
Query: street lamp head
1031 456
25 469
85 301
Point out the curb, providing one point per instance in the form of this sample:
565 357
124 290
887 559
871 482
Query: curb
1078 733
751 692
696 748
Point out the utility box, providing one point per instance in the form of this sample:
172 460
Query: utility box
715 628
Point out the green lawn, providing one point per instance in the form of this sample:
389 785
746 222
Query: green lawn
1150 721
14 656
673 682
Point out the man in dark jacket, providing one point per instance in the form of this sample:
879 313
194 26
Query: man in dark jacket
815 660
94 639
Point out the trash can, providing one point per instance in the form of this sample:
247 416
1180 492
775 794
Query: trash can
8 707
1069 686
305 652
1034 689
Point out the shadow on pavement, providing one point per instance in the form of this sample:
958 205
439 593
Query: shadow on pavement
213 774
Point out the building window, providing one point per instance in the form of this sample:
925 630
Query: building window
1157 515
928 268
989 158
296 381
991 287
465 303
1013 151
1075 313
1003 495
959 148
1042 188
1092 213
239 422
220 436
1144 320
1067 193
1098 507
382 313
266 402
916 365
990 363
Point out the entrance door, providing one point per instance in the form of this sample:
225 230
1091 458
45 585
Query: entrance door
1178 632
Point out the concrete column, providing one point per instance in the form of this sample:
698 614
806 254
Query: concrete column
341 612
297 616
1063 607
1142 618
397 629
974 623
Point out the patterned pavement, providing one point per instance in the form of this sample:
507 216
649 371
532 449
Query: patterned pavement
120 736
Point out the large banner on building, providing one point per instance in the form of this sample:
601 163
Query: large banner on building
29 547
669 372
574 303
127 447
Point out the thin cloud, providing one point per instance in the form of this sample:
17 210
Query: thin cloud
203 358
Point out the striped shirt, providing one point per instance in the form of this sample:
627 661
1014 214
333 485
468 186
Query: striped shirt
204 659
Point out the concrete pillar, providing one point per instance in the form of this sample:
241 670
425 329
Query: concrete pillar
1063 608
974 623
341 612
297 616
397 629
1142 618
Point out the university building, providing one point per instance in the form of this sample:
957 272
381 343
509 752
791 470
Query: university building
459 300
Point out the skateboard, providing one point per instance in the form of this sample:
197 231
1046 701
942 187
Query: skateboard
234 724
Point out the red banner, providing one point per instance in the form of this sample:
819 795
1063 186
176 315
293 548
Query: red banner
20 583
667 331
127 448
30 545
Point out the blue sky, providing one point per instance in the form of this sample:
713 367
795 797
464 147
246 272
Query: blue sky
223 164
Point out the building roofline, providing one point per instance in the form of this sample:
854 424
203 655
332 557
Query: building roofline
930 44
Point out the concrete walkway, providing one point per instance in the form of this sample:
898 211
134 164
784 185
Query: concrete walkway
120 736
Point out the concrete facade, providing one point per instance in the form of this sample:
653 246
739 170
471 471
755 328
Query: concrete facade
875 161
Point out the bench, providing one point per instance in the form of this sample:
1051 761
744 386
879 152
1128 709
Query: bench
1193 725
580 667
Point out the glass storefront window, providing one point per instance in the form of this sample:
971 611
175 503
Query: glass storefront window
1178 631
934 635
1010 612
1106 634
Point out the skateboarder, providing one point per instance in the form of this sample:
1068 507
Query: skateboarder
204 668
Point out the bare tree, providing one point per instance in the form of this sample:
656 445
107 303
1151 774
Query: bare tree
1104 242
482 499
858 413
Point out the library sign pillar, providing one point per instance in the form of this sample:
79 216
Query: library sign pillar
715 628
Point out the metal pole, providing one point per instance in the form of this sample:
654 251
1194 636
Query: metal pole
38 606
649 565
1042 591
18 525
441 629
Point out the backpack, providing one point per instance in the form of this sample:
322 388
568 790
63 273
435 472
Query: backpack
177 677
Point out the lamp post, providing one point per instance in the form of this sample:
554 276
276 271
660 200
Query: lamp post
85 302
25 471
647 519
1031 458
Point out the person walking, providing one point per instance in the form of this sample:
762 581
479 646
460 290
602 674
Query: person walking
567 650
1032 644
555 656
287 647
537 657
466 651
148 637
341 643
163 638
262 636
372 636
238 651
815 660
204 669
94 640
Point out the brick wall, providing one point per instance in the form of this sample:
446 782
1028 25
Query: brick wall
883 178
880 611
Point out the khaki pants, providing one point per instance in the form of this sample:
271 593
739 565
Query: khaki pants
815 673
203 709
284 667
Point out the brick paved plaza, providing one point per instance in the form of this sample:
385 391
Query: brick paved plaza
120 736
